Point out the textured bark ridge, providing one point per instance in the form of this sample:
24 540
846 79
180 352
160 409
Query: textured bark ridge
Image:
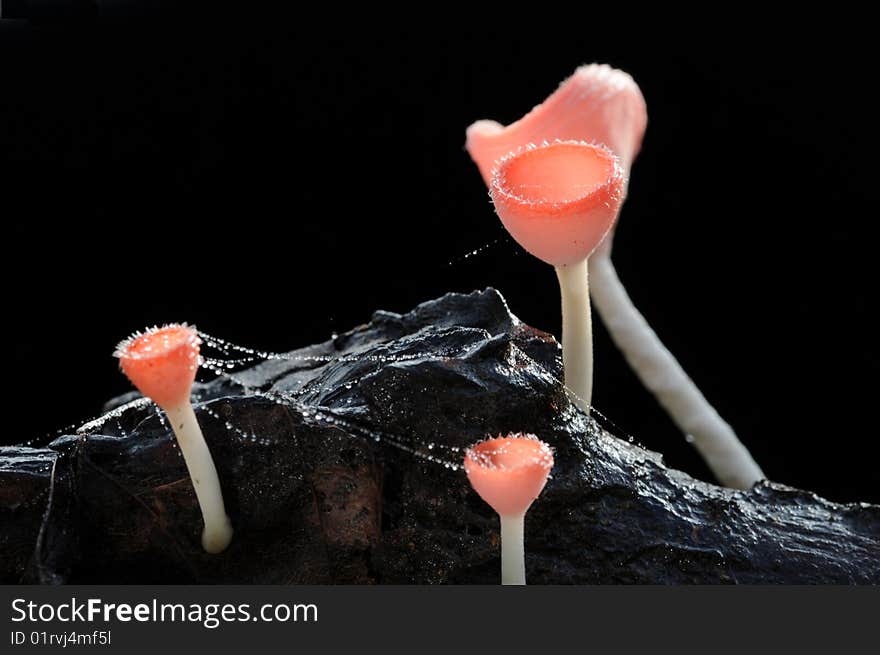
314 498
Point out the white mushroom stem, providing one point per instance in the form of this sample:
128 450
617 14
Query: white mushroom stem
513 556
577 333
218 531
661 373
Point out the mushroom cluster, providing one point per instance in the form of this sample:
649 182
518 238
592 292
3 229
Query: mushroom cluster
557 178
599 104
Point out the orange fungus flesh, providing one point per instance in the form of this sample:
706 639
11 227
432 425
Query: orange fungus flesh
509 472
162 363
559 200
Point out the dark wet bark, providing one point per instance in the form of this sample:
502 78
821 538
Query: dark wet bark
314 498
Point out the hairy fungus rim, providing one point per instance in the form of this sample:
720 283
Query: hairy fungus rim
184 335
604 193
484 454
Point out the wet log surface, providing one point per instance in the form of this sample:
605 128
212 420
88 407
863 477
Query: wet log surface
316 498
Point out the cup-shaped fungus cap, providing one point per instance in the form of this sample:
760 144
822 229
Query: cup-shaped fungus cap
509 472
560 199
162 362
597 103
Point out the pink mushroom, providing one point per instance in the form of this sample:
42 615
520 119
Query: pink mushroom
509 473
558 201
597 103
162 364
603 105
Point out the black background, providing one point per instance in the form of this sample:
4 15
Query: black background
274 179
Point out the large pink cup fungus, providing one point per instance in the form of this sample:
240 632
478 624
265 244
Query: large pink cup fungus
597 103
509 473
602 105
558 201
162 364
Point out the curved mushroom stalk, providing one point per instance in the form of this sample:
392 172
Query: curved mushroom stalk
162 364
509 473
559 201
661 373
217 532
603 105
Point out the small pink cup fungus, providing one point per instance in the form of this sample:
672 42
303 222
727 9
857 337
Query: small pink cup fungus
509 474
559 200
162 364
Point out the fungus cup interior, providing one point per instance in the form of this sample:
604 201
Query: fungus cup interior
597 103
558 174
509 472
560 199
162 363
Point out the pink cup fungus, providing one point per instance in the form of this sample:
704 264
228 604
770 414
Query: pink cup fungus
558 201
162 364
600 104
597 103
509 473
